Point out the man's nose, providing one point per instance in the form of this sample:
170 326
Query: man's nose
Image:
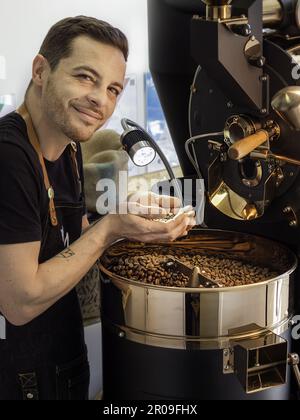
98 98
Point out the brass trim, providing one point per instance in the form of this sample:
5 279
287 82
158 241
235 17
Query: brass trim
225 199
250 212
218 12
230 203
233 205
218 9
272 13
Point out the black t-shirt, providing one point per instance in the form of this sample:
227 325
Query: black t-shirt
24 217
24 203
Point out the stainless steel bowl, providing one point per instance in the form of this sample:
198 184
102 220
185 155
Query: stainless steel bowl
203 318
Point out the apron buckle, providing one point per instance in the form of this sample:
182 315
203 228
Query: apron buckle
51 193
74 146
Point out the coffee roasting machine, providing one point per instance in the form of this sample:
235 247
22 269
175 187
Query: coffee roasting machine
227 74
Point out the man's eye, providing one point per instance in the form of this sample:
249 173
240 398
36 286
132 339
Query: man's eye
85 77
115 91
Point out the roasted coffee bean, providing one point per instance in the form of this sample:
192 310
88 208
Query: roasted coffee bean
149 266
167 217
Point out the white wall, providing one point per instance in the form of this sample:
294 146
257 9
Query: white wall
24 24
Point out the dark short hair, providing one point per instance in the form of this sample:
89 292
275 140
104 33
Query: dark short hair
58 42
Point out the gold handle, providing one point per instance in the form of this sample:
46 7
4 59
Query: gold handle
245 146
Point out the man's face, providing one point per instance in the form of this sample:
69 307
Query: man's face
80 95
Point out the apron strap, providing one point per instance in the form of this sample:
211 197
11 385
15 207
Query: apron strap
37 147
73 151
23 111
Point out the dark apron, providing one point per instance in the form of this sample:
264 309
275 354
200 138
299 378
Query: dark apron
47 358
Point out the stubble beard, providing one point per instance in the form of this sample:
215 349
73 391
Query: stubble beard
58 115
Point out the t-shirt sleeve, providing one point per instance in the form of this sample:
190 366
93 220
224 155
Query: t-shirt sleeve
19 197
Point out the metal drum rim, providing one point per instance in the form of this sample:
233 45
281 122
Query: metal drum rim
205 290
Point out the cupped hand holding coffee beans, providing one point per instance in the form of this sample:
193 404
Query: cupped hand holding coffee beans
151 218
153 206
141 229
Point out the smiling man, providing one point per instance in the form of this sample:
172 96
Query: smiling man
76 79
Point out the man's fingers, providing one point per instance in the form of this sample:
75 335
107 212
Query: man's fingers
155 202
170 203
147 211
183 229
151 198
167 231
155 211
185 212
179 226
152 212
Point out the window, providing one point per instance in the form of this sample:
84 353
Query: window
7 104
157 127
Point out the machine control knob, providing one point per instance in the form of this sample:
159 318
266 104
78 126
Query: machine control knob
254 52
243 29
257 61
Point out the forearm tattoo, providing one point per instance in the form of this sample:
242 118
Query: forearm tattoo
67 253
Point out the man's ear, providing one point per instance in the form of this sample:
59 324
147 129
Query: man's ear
40 70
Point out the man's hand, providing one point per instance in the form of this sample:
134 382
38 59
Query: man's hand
153 206
136 228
